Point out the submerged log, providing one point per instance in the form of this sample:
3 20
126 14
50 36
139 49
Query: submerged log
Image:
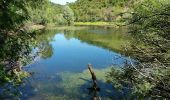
94 88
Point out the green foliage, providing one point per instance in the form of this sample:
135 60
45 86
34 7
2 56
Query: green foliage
140 86
14 79
99 10
14 41
9 83
95 23
68 15
150 27
39 15
12 13
49 13
149 77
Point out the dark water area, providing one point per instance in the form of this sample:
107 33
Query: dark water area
60 70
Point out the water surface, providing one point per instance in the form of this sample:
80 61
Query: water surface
61 70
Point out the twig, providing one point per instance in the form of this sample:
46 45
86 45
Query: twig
139 71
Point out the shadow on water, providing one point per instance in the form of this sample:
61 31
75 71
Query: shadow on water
106 91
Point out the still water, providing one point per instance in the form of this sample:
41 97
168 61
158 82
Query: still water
60 72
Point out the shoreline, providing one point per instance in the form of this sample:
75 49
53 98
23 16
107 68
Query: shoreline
35 27
109 24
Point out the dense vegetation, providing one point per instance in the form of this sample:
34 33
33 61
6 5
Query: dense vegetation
14 42
50 13
100 10
149 75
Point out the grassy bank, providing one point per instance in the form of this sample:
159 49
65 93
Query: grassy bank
113 24
73 27
95 23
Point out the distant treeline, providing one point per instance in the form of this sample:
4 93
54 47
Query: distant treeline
100 10
50 13
81 11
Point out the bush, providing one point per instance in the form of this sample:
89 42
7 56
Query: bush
149 76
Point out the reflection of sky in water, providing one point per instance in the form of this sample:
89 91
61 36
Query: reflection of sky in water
55 75
73 55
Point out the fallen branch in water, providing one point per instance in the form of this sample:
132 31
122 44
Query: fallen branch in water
95 88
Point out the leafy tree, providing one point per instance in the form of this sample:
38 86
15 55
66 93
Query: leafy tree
12 17
149 75
14 41
68 15
38 14
50 13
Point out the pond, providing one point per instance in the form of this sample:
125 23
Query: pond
60 70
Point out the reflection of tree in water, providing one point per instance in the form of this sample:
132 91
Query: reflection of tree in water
47 50
43 40
69 34
108 38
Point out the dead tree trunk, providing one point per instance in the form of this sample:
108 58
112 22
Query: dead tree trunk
94 89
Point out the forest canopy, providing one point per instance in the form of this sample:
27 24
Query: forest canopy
99 10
